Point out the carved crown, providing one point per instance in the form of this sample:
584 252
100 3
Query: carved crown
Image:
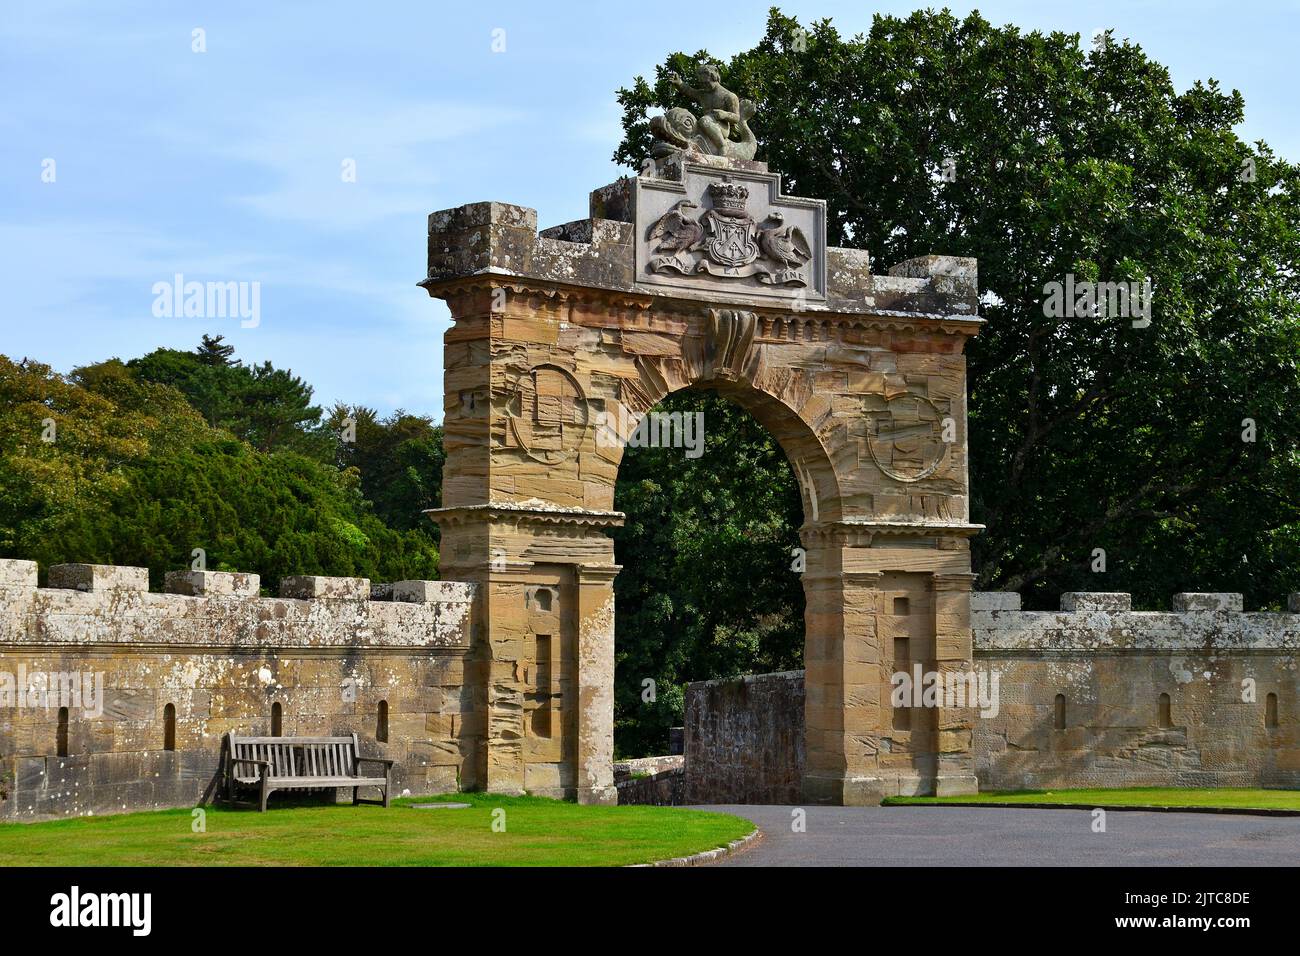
729 198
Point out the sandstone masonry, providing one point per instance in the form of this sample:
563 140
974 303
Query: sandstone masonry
702 274
1094 695
159 678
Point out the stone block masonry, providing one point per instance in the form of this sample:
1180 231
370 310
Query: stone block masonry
703 273
651 781
1103 696
113 698
1094 695
745 739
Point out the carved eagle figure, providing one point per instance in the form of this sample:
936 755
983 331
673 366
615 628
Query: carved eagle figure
787 245
675 231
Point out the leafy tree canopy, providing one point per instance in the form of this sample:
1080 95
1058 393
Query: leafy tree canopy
267 407
109 467
399 460
1087 434
708 587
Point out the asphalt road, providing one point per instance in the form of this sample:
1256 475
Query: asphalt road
975 836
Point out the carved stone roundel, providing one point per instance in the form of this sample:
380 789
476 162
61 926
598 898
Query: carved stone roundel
906 439
548 413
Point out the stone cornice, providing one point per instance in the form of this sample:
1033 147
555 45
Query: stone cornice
526 513
900 527
811 317
491 279
598 572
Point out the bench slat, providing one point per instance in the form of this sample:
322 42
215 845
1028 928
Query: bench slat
296 741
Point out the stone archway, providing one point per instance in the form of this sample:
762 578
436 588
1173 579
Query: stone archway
561 337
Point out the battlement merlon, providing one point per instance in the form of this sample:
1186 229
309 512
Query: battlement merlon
614 250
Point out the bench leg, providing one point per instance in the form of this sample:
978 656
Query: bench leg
265 794
385 795
355 792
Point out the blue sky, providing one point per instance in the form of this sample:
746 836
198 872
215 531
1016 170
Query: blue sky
226 165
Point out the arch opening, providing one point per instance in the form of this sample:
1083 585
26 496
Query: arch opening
711 559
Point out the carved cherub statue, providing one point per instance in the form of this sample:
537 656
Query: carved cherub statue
721 130
721 105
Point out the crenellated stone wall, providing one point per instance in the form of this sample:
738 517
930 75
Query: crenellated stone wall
150 682
1093 695
1081 693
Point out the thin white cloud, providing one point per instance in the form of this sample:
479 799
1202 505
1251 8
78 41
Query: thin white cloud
301 146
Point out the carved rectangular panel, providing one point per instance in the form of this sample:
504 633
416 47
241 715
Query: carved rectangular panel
730 233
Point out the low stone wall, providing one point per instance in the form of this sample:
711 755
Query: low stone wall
651 781
745 739
1093 695
113 698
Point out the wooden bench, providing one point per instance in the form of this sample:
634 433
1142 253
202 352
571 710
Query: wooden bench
299 763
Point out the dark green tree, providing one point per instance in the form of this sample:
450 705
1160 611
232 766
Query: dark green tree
105 467
274 514
1087 434
274 411
269 408
214 351
708 587
399 460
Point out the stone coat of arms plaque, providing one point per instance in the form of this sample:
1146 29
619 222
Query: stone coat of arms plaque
728 231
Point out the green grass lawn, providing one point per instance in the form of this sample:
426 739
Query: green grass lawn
538 832
1219 797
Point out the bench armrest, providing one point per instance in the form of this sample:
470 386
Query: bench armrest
383 760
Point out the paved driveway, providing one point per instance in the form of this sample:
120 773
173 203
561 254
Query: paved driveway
975 836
